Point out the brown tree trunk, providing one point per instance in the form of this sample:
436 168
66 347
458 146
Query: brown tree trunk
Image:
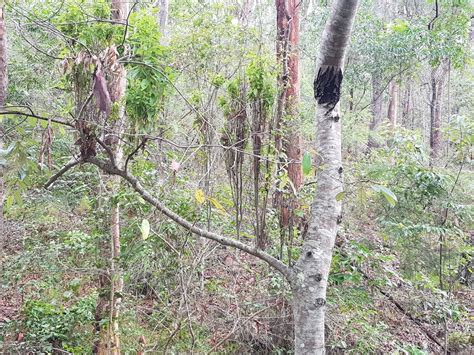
312 268
108 304
438 76
3 96
289 142
392 111
293 140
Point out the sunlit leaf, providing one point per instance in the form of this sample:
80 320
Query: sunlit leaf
340 196
200 196
145 229
218 206
387 193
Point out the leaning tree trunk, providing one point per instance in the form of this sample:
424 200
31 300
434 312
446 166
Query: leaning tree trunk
312 268
3 96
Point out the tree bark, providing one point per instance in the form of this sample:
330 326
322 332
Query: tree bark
376 107
163 20
407 107
3 96
312 268
293 140
108 304
288 36
438 76
392 111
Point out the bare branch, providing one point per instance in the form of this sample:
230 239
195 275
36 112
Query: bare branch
136 185
137 148
72 163
4 110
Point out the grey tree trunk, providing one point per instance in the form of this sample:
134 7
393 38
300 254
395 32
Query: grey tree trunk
312 268
163 20
377 106
3 96
438 76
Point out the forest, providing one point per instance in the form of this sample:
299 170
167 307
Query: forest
236 177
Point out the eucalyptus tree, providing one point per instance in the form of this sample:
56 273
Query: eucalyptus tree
98 90
309 276
288 139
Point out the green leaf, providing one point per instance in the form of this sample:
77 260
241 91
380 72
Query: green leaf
387 193
306 163
145 229
340 196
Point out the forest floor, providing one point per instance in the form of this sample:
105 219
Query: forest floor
242 303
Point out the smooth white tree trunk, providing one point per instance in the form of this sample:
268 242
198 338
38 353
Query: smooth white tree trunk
312 269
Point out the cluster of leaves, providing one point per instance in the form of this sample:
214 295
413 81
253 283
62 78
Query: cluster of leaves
50 325
421 205
87 24
149 76
261 77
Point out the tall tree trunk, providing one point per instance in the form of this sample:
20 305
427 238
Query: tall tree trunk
3 96
163 20
376 107
438 76
312 269
288 34
293 140
407 106
379 8
392 111
109 302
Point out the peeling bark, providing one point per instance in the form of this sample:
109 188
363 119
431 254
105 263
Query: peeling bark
312 268
288 37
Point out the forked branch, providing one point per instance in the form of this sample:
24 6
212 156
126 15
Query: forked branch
137 186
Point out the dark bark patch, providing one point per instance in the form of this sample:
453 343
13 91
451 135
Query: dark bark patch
336 118
340 170
319 302
317 277
327 86
309 254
